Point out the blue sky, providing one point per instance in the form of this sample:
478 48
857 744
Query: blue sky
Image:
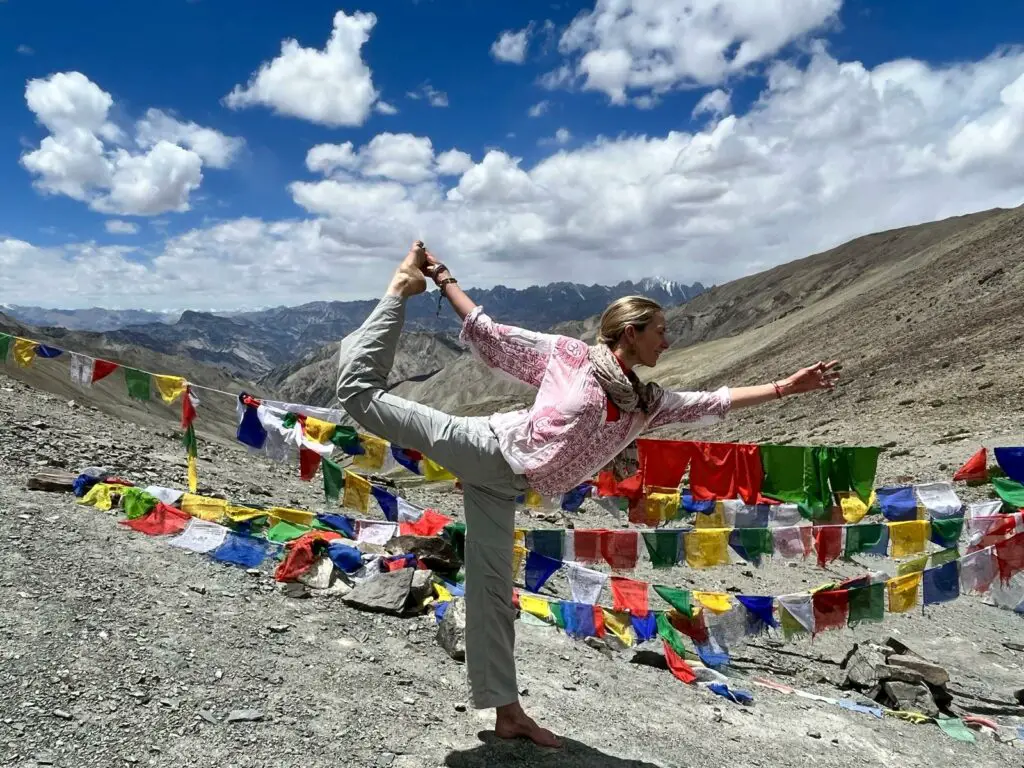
697 147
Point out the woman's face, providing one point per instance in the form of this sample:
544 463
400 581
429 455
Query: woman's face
648 344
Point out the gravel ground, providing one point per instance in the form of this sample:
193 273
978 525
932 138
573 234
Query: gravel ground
118 650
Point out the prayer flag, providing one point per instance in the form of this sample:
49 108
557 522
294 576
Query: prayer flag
663 462
250 429
759 612
706 548
538 570
334 479
136 502
347 439
663 547
714 517
898 503
978 571
387 502
1010 491
579 619
1011 461
854 510
677 665
374 451
867 603
586 545
903 592
752 543
24 351
716 602
793 541
162 520
828 541
5 344
137 382
644 627
629 595
946 532
204 507
297 516
660 508
619 624
939 499
341 523
1010 557
725 471
620 549
431 523
319 431
242 550
200 536
309 463
916 565
170 388
796 612
536 606
942 584
407 457
573 500
831 609
863 538
974 469
585 584
547 542
48 352
783 467
357 492
677 598
434 472
908 538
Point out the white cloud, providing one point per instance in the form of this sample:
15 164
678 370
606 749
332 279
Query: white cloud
87 157
714 103
454 162
385 108
561 137
118 227
25 50
539 108
331 87
433 96
511 46
656 45
828 151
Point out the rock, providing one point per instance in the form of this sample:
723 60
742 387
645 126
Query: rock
208 716
863 665
198 588
814 734
44 758
52 482
385 759
460 707
279 629
1019 695
902 674
932 674
422 589
912 697
409 700
62 714
451 632
319 574
433 551
387 593
368 548
897 646
293 589
245 716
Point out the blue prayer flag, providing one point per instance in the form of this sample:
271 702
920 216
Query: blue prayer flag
250 430
547 541
942 584
898 503
573 500
341 523
388 503
1011 461
407 460
689 504
49 352
242 550
539 568
645 627
759 612
579 619
345 557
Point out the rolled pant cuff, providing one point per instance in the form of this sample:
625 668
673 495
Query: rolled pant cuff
494 700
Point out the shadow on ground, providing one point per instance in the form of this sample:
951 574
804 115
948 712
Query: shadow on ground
501 752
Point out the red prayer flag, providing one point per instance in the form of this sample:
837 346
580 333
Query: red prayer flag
677 665
1010 557
302 553
162 520
1003 527
309 463
663 462
431 523
101 369
831 609
975 468
188 408
599 629
587 545
828 540
725 471
693 627
629 595
619 548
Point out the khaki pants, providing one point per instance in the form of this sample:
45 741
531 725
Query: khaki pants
468 449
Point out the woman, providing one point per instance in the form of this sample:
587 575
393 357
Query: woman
590 407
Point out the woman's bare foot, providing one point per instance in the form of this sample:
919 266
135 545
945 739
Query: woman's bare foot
409 279
514 723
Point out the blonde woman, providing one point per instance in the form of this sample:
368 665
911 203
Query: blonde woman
589 409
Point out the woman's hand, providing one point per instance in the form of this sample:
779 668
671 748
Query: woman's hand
434 269
813 377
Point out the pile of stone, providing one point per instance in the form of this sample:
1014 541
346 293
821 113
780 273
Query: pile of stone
898 678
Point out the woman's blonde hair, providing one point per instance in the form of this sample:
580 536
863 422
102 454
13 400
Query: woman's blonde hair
636 311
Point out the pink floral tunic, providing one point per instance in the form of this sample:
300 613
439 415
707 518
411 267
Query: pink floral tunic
565 437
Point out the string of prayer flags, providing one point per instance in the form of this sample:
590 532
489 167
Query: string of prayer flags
975 469
86 371
1011 461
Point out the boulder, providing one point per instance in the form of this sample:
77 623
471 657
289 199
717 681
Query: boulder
422 589
932 674
910 697
319 574
52 481
862 667
451 632
386 593
433 551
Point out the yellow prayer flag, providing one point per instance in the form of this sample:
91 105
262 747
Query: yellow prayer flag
533 499
854 509
708 547
240 514
204 507
192 474
520 538
916 565
716 602
917 718
374 449
909 537
903 592
357 492
714 520
24 351
536 606
319 431
101 496
443 595
169 387
620 625
295 516
434 472
661 507
518 555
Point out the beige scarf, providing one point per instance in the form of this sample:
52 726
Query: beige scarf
629 394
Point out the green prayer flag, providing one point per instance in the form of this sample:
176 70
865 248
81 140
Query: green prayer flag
943 557
756 542
817 463
670 634
5 344
345 438
783 467
556 611
1010 491
283 531
456 533
334 480
136 502
867 604
677 598
790 626
860 538
663 547
954 727
188 439
946 533
289 420
916 565
853 469
138 383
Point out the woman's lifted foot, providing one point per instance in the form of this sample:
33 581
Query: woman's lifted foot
409 279
514 723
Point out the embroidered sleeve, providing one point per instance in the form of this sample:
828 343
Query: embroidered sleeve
692 407
515 351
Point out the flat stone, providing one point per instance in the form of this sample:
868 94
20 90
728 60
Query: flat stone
451 632
319 574
911 697
422 588
245 716
387 593
932 674
862 667
62 714
51 481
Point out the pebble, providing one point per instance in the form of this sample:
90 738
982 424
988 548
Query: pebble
245 716
62 714
814 734
409 700
460 707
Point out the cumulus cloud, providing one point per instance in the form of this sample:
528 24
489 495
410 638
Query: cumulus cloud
511 46
118 227
829 150
332 87
713 103
385 108
539 108
88 158
433 96
652 46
